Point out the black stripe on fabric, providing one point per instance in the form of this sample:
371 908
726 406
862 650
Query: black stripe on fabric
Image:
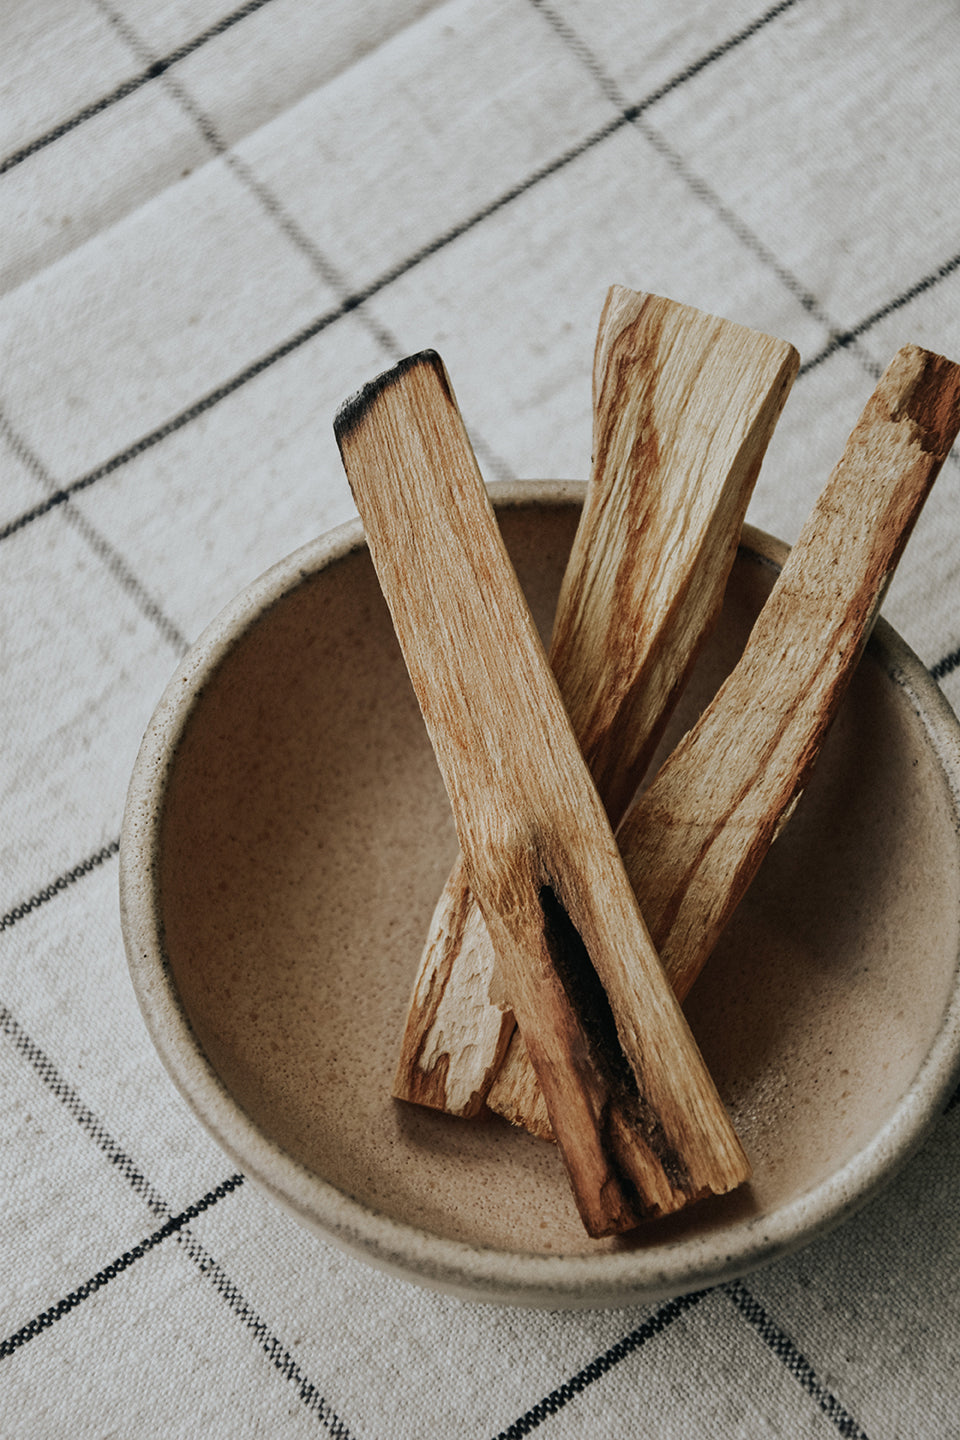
275 1352
604 132
717 53
696 184
265 197
285 222
653 1326
128 87
361 297
847 337
632 112
49 1317
111 558
798 1365
63 1091
157 67
946 666
62 882
185 417
117 566
204 1261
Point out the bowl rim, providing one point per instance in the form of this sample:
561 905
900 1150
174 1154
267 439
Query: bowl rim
585 1280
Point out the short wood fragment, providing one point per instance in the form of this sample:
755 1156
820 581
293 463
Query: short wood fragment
638 1121
694 841
684 406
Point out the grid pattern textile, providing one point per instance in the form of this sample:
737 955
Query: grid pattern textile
217 224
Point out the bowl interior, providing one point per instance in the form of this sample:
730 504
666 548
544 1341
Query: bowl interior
304 837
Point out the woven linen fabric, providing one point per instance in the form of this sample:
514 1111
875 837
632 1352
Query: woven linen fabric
216 224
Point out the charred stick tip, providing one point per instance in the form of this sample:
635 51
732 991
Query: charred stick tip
353 411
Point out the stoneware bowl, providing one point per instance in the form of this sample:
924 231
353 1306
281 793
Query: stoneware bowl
287 835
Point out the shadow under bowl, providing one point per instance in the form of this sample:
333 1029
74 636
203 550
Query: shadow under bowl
285 840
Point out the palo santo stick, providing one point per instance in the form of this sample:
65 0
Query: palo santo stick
694 841
639 1123
684 406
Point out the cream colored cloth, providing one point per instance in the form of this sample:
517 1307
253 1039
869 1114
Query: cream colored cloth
216 224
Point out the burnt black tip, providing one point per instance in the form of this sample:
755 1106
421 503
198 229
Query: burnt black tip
353 410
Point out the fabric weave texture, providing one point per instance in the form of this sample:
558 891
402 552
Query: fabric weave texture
217 224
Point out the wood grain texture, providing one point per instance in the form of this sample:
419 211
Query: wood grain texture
693 842
684 406
637 1118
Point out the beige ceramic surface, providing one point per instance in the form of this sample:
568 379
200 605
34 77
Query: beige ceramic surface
287 835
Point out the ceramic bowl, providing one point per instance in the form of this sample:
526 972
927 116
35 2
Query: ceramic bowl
287 835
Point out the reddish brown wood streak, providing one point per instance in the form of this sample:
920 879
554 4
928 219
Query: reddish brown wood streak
528 816
684 406
694 841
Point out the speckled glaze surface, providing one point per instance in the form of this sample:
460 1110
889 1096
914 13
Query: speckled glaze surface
287 835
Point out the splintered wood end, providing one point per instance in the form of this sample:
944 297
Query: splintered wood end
924 387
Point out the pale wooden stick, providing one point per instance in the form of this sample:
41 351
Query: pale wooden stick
684 406
640 1126
693 842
